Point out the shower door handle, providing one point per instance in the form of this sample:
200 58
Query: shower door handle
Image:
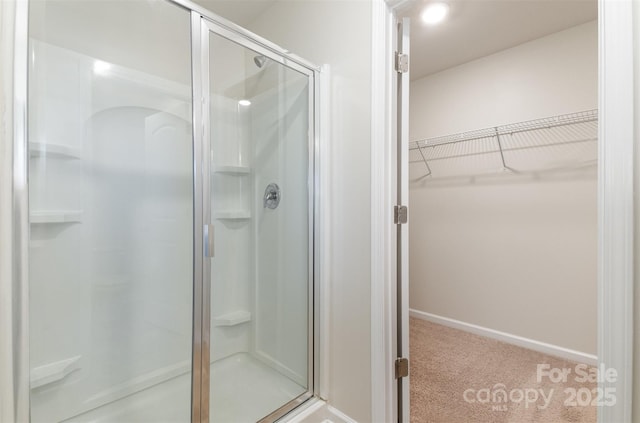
209 241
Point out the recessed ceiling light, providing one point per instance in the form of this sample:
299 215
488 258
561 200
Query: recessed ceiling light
244 102
434 13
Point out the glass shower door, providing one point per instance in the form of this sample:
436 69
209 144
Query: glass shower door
259 137
111 212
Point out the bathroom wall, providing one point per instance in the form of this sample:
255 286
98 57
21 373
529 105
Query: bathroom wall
338 33
514 255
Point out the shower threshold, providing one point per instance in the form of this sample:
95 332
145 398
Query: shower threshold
243 389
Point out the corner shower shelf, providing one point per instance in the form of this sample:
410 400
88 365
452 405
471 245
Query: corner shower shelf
232 170
39 149
233 215
53 372
232 319
55 216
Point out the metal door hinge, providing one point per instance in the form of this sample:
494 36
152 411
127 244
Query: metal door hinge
402 63
400 214
402 367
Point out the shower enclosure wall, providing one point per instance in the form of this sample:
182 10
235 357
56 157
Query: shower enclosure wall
171 209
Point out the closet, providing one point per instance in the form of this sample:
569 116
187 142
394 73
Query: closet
503 221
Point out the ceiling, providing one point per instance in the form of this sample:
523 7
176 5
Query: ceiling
477 28
473 29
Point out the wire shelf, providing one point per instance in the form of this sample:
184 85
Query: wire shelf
558 141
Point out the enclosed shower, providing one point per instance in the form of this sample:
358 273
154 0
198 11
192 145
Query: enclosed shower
171 216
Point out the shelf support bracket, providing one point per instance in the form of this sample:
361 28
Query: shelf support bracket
504 165
424 159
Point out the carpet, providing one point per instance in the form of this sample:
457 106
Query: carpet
459 377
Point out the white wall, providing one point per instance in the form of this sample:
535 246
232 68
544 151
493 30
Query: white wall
518 257
338 33
552 75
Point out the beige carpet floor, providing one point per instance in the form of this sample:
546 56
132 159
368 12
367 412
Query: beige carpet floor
446 363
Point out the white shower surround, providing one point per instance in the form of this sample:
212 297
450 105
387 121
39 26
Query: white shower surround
117 116
111 308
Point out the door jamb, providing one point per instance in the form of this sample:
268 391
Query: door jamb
383 198
616 202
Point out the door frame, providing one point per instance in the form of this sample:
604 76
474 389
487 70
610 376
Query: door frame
384 185
616 208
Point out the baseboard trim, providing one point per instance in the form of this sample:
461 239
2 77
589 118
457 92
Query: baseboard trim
543 347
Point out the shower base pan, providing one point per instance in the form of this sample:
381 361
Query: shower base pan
243 390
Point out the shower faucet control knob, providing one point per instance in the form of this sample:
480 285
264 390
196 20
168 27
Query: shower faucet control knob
271 197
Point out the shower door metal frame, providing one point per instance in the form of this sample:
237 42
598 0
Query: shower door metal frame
203 24
14 214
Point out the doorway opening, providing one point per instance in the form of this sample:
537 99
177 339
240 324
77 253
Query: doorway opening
503 212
